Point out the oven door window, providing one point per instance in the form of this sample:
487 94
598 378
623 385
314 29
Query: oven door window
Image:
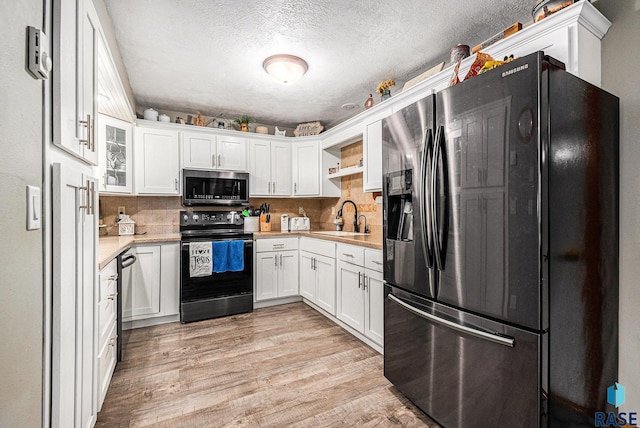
218 284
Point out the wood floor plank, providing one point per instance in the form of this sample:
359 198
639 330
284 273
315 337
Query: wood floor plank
281 366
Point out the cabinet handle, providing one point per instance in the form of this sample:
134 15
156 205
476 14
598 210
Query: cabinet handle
213 161
219 161
274 187
364 282
112 296
275 261
315 264
93 199
89 140
281 261
295 187
347 255
269 192
359 276
113 277
104 181
89 204
112 341
175 183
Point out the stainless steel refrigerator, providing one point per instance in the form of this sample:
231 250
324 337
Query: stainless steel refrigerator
501 248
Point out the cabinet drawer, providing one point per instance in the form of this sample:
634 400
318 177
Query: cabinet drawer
276 244
106 364
318 246
350 254
373 259
108 278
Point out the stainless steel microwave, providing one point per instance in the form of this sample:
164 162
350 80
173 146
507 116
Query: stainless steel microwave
214 187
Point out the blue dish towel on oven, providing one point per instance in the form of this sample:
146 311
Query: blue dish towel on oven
228 256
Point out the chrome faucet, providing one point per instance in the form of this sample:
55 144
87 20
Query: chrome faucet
355 215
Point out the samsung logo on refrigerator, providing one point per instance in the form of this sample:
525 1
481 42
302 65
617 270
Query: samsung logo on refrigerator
515 70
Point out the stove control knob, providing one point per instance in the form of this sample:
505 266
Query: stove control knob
185 217
195 217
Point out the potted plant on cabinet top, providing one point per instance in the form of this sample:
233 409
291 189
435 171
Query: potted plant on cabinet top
244 121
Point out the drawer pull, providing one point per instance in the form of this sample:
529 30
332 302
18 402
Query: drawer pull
348 255
112 296
112 341
376 262
113 277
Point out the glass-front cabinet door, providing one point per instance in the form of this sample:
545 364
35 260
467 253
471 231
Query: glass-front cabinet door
115 159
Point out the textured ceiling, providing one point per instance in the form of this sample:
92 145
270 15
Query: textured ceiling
205 55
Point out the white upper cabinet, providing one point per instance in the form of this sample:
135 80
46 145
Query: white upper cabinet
157 161
75 78
306 168
269 168
209 151
372 157
116 155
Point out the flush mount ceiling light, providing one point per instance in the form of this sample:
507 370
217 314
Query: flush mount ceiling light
285 68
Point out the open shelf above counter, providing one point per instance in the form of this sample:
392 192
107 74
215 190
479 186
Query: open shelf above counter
347 171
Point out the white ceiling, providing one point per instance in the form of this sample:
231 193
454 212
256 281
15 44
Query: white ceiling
203 55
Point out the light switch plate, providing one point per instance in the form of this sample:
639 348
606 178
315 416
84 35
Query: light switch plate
34 208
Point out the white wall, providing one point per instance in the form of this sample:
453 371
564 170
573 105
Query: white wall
21 259
620 76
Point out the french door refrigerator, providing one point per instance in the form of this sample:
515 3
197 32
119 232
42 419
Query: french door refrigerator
501 248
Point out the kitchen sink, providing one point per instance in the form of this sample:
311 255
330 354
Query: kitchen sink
339 233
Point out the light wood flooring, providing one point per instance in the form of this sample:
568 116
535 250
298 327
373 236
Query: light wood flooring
284 366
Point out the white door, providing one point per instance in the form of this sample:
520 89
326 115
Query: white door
288 273
326 289
259 168
157 160
232 153
307 276
372 157
266 275
74 279
89 79
115 140
350 308
198 150
306 169
280 169
374 306
142 299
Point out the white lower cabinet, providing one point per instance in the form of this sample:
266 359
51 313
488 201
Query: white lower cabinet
276 268
360 290
151 286
107 329
318 273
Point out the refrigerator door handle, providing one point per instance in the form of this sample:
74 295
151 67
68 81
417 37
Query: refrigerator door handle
481 334
425 213
439 230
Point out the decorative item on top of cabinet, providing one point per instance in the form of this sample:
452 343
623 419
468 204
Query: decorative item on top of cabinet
309 128
198 120
369 102
384 88
279 132
244 122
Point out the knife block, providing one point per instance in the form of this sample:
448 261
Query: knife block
264 225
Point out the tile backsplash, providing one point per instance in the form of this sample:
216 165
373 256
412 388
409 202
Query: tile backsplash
160 214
